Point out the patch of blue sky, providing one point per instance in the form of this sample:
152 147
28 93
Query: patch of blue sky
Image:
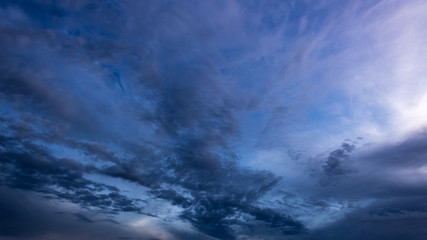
127 188
61 151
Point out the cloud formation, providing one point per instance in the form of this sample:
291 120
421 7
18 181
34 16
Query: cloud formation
212 120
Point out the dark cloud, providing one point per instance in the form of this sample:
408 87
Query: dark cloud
24 215
228 197
378 221
30 167
334 162
409 152
389 181
170 126
386 171
155 95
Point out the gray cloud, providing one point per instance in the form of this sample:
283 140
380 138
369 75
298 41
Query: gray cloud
162 67
159 95
26 215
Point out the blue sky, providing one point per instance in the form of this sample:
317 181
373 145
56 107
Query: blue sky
213 119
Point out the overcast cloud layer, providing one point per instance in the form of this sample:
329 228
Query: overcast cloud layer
213 120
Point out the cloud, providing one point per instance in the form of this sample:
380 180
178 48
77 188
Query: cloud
385 189
28 166
374 223
171 119
26 215
175 99
334 167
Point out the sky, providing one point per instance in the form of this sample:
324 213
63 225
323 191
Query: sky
216 119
